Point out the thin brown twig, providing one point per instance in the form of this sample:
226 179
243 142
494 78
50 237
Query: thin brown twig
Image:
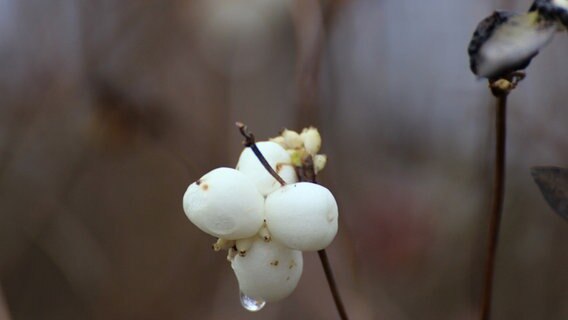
4 310
251 143
312 20
500 89
332 285
307 173
496 208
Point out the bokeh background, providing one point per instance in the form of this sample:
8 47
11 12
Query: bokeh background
109 109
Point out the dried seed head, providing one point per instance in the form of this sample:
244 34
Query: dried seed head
506 42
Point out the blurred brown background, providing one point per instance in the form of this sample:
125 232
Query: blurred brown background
110 109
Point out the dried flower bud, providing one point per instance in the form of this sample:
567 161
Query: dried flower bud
312 140
296 156
280 140
292 138
243 245
320 161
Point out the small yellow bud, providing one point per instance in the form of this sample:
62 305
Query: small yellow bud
280 140
243 245
264 234
312 140
296 157
292 138
319 162
223 244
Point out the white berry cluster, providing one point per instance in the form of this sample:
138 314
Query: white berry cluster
265 226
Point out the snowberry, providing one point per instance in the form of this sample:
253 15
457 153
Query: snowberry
225 203
263 225
269 271
302 216
278 159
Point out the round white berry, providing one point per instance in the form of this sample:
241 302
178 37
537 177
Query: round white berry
225 203
269 271
278 159
303 216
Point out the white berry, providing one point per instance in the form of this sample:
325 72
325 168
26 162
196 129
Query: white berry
269 271
303 216
225 203
278 159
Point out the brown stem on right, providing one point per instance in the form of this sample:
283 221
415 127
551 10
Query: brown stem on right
498 192
332 285
307 173
4 311
312 18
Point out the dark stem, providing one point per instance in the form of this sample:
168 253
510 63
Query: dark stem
4 311
307 173
309 15
497 203
332 285
250 142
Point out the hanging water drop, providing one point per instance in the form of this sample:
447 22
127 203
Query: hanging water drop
252 304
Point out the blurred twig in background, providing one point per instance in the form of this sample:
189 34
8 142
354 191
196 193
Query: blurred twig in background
4 312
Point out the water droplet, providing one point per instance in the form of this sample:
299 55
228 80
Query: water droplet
252 304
